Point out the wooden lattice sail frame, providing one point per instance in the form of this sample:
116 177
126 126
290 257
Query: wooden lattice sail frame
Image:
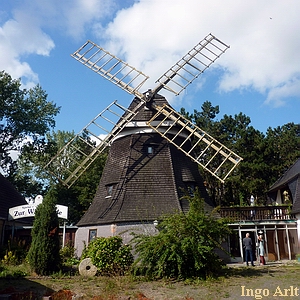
70 162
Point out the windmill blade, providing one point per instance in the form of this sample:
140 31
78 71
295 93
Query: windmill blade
79 153
214 157
193 64
111 68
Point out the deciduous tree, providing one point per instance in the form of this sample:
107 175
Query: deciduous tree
25 117
185 245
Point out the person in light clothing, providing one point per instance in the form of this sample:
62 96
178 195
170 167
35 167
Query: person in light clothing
261 249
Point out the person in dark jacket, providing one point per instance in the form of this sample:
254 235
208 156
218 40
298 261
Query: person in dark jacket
247 242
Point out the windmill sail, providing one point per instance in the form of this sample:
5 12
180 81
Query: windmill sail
79 153
111 68
128 78
193 64
72 161
210 154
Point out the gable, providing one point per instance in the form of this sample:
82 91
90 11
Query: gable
294 187
289 175
289 180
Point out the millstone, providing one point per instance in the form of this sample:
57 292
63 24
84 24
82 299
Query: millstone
86 268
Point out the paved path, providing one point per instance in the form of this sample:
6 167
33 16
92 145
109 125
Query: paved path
271 263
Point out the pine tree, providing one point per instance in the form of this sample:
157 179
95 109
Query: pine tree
43 255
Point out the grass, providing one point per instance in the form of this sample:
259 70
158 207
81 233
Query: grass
227 286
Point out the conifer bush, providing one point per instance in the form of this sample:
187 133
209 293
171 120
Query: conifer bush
184 246
43 255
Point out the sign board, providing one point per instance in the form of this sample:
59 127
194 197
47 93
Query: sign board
25 211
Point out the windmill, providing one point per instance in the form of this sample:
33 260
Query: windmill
146 137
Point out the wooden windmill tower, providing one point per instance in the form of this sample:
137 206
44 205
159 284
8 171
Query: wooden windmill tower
154 151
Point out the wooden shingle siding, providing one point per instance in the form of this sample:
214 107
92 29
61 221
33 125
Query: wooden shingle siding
144 185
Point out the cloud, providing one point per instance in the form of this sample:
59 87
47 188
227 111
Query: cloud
19 38
24 32
279 94
81 15
152 35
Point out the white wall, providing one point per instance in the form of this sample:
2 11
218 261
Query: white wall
82 236
124 230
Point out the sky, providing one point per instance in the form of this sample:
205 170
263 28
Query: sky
259 75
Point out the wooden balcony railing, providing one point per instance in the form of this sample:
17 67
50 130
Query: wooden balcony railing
257 213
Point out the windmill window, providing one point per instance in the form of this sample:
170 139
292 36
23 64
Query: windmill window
109 190
150 150
191 189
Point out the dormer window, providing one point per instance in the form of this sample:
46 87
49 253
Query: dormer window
191 189
150 149
109 190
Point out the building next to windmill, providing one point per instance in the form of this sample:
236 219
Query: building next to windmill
278 222
144 178
17 217
9 197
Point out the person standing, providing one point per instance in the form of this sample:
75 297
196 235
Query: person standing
261 249
247 242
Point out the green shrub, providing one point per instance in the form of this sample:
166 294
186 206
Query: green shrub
15 252
67 254
13 271
184 246
109 255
